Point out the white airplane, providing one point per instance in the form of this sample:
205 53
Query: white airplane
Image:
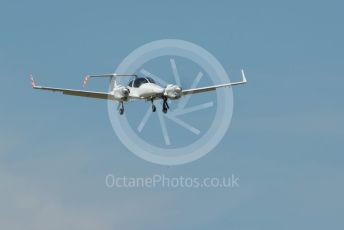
143 88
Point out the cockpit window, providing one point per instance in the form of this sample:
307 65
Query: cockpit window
137 82
150 80
130 84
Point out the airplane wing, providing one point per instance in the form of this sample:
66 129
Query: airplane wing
80 93
214 87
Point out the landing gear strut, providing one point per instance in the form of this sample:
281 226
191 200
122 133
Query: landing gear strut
165 105
153 106
121 108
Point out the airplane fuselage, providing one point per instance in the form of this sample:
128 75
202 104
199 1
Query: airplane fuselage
146 90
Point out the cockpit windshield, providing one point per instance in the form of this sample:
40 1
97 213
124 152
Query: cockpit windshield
137 82
150 80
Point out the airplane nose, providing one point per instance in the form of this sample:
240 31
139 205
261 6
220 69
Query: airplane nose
157 89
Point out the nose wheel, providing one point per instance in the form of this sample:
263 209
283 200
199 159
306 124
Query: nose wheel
153 106
165 106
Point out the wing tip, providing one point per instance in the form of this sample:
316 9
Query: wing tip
33 84
243 76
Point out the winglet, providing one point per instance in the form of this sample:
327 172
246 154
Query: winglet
84 83
33 84
243 76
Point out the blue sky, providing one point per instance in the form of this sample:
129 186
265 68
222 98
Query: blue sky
285 139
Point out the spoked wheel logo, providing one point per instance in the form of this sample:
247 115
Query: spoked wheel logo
195 124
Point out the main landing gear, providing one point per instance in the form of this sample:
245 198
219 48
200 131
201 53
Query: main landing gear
121 108
165 105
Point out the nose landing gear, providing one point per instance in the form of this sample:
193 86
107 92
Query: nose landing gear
153 106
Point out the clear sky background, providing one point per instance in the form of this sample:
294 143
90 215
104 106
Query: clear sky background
285 141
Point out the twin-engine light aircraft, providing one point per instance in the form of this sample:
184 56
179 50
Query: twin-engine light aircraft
143 88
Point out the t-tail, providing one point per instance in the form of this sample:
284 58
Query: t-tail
112 78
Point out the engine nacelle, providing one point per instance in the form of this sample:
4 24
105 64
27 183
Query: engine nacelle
173 91
121 93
